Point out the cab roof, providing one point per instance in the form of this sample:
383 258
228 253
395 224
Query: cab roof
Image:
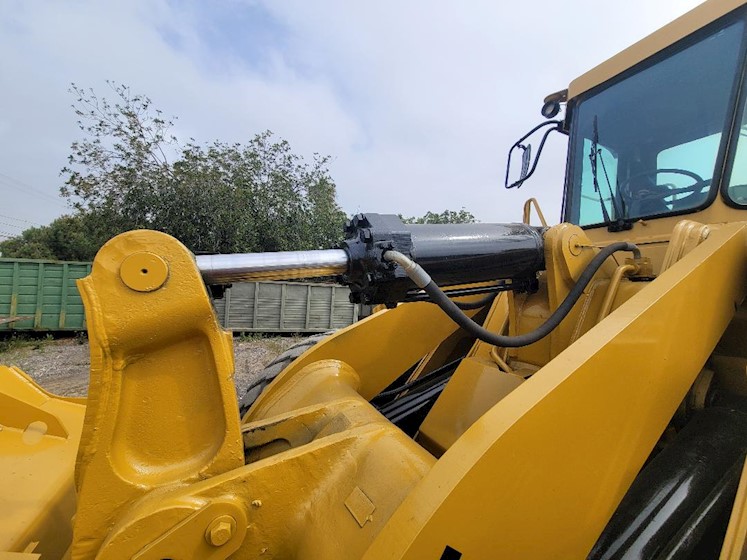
683 26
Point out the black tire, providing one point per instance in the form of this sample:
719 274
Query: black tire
273 369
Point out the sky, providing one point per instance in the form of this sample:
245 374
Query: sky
416 102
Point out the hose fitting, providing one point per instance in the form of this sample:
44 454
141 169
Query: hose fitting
413 270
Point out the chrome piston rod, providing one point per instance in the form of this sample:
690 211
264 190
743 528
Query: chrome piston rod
286 265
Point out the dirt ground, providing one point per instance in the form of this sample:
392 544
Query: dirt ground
61 366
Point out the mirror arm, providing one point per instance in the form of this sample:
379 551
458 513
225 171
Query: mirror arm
555 122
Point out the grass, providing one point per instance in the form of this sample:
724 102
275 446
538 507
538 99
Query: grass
18 341
274 343
251 337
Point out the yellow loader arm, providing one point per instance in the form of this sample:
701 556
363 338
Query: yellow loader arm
166 469
39 436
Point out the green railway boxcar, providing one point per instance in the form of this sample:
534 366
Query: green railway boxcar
289 307
38 295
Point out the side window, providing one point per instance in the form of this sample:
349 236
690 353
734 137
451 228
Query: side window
684 172
737 189
590 205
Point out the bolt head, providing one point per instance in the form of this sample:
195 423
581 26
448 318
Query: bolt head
220 531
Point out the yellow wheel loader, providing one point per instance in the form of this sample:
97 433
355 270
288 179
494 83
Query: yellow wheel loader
574 391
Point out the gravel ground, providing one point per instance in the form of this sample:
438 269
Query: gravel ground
61 366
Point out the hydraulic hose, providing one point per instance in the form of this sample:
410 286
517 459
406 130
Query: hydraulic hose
421 279
482 302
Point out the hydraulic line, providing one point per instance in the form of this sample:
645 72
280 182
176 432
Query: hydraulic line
482 302
500 362
417 383
421 278
455 293
609 298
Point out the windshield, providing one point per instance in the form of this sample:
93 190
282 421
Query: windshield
648 145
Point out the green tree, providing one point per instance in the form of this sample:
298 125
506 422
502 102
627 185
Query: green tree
128 172
70 238
446 217
31 244
253 197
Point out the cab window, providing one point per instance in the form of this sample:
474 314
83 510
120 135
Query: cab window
737 185
658 133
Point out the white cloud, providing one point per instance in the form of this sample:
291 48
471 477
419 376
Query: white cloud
417 102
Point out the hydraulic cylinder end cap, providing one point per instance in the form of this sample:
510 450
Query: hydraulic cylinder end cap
144 271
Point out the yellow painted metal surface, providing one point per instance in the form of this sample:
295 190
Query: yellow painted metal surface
161 468
480 381
568 251
143 271
536 446
560 451
654 236
39 435
161 404
380 348
477 384
317 472
475 388
686 235
735 541
527 212
335 476
612 289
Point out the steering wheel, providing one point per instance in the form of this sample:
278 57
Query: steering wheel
738 193
642 198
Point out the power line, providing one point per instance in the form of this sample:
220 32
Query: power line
9 181
51 199
27 190
20 220
11 225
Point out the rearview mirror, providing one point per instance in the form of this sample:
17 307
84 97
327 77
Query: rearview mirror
515 176
518 176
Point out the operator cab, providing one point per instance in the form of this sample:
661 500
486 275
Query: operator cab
666 137
655 133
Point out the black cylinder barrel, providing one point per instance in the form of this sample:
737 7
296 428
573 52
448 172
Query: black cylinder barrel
459 253
450 253
678 505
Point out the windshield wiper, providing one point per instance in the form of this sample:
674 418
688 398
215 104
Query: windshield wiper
593 154
618 205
